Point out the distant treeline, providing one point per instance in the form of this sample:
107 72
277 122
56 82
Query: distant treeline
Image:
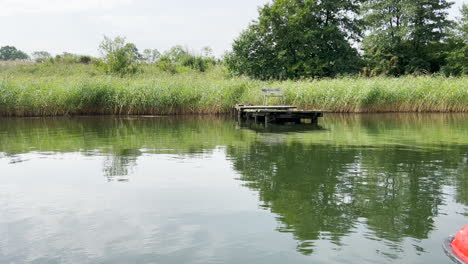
298 39
121 57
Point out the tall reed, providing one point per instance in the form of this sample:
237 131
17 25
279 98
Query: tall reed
49 90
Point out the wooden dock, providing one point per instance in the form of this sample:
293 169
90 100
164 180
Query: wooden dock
277 114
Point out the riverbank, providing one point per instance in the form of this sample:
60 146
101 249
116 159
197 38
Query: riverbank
55 90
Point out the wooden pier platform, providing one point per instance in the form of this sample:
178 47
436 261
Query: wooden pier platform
277 114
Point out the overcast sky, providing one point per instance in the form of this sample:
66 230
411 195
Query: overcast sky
78 26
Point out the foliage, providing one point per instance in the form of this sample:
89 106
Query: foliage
175 53
406 36
198 63
119 56
457 59
41 56
69 89
8 53
70 58
178 56
295 39
299 39
151 55
85 59
463 23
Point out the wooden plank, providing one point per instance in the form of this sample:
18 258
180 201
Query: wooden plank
294 111
246 107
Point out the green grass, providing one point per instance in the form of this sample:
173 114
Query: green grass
73 89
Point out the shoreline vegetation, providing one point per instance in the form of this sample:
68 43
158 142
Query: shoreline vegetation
338 56
408 58
42 89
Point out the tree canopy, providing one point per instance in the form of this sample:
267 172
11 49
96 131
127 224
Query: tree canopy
457 58
299 38
120 56
11 53
405 36
41 56
320 38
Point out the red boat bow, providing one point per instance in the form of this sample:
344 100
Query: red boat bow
460 244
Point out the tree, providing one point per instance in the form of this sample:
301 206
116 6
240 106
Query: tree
406 36
11 53
299 38
175 53
178 57
41 56
207 52
457 59
119 56
151 55
463 24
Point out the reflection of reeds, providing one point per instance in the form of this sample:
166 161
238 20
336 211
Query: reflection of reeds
197 134
118 136
425 130
51 90
409 118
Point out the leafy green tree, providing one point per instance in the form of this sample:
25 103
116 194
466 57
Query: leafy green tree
120 57
457 59
151 55
299 38
175 53
41 56
12 53
406 36
463 23
85 59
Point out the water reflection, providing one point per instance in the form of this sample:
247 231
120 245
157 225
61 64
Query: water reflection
322 191
389 174
277 128
117 167
121 141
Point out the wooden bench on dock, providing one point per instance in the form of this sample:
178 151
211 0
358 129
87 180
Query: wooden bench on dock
272 92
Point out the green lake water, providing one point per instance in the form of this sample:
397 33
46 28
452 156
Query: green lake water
385 188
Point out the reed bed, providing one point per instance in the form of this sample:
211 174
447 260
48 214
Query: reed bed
51 90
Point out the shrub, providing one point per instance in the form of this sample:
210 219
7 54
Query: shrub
85 59
119 56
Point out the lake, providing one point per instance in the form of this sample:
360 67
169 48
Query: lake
380 188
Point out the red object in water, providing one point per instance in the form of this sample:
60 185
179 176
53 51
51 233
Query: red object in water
460 244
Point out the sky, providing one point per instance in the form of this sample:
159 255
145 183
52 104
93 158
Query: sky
78 26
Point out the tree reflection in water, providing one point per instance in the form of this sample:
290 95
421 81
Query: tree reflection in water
324 191
117 167
387 172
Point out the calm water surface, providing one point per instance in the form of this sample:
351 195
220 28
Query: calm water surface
356 189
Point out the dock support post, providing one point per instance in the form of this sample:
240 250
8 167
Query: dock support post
314 120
